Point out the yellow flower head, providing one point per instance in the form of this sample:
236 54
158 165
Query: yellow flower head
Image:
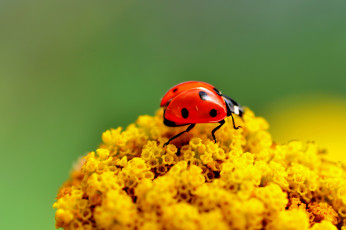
244 181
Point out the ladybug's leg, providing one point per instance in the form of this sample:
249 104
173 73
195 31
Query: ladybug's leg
172 138
216 128
235 127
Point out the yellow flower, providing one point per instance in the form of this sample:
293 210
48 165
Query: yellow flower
244 181
290 220
311 117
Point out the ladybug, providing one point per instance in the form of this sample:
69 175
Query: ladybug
193 102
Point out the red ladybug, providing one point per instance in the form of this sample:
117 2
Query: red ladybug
193 102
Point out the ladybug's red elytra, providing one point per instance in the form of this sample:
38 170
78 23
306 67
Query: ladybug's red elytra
193 102
175 90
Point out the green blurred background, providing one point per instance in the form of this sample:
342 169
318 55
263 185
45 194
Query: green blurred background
71 69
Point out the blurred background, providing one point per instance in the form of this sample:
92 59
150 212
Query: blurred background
69 70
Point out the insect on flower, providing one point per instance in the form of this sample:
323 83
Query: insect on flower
193 102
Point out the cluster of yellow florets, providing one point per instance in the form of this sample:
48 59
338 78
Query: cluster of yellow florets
244 181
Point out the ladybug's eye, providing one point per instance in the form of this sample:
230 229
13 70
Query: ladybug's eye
184 113
213 113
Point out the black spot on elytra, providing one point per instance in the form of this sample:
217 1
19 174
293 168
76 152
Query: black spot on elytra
175 90
213 113
203 95
217 91
184 113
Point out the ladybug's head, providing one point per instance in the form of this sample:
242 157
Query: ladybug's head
232 106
